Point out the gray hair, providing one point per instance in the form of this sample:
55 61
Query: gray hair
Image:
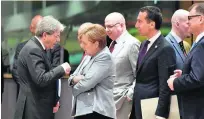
49 25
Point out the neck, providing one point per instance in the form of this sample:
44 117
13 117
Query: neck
152 33
178 33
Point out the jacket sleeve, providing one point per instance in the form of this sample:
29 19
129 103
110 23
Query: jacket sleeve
166 65
94 75
37 68
195 79
133 55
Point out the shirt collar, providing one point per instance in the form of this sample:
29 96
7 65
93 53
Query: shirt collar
199 37
178 39
40 42
120 38
153 39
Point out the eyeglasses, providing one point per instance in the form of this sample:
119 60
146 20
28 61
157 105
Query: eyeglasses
190 17
111 26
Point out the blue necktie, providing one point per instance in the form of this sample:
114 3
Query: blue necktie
143 51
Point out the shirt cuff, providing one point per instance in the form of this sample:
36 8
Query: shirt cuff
158 117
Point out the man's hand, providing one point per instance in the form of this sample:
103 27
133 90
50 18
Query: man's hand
177 73
76 79
56 108
66 68
170 82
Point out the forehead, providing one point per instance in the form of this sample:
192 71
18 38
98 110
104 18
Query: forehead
192 12
142 15
110 21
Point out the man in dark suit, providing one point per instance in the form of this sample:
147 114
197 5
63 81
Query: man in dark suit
15 76
53 55
156 60
179 22
189 82
37 78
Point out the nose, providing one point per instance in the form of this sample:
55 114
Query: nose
136 26
107 29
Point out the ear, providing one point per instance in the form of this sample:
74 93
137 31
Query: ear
177 24
152 24
97 43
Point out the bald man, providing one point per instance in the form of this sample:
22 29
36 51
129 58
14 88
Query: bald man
178 33
124 48
33 25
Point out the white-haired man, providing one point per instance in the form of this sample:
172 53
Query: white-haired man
124 48
37 79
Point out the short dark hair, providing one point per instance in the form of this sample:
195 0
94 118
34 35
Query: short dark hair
199 7
153 14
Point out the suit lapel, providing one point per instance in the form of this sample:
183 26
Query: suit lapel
118 48
177 47
151 50
47 60
197 44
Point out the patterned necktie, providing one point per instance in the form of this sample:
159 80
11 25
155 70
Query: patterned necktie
182 47
111 48
143 51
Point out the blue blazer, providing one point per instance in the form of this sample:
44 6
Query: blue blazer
180 57
191 84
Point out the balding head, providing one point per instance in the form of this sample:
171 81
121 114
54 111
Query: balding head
115 17
115 25
179 23
179 16
34 23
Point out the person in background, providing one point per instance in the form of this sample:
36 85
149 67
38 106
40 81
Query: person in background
156 62
179 22
92 81
37 78
189 82
124 48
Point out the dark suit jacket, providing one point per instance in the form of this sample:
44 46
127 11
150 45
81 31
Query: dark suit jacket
151 77
37 83
14 70
191 84
53 56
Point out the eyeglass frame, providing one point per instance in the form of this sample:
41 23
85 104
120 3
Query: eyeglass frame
192 16
111 26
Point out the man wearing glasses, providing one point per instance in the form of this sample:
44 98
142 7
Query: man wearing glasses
189 82
124 48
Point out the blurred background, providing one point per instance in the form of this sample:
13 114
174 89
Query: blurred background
16 17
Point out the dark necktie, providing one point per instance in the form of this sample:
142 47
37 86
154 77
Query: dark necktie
143 51
182 47
111 48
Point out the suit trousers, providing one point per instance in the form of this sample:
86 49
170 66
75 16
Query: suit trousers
124 111
93 115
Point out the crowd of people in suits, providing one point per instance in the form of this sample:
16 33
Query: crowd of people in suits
111 81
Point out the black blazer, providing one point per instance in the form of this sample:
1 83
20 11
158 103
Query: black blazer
37 83
191 84
151 77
